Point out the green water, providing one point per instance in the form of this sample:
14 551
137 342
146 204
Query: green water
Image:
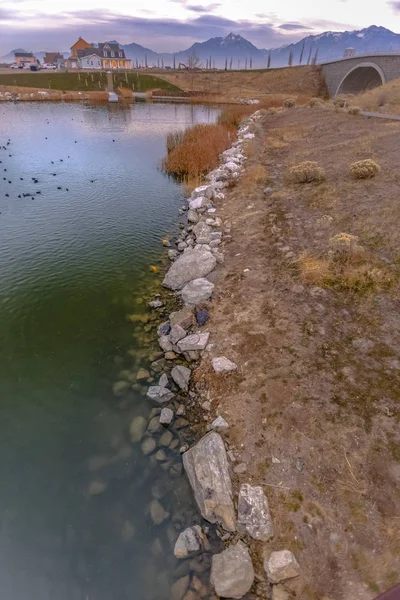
73 264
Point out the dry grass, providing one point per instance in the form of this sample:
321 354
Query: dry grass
234 115
254 176
289 103
341 101
364 169
384 99
197 151
307 172
354 110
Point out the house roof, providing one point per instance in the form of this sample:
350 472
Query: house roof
50 57
114 47
100 51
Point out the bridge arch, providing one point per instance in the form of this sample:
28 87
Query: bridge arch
362 77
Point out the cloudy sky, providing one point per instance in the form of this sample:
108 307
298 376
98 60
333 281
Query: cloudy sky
170 25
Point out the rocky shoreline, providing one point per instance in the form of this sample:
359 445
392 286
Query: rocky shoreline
186 336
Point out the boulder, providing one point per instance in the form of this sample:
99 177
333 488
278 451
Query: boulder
202 232
196 291
163 381
223 365
148 445
142 374
192 216
192 264
159 394
164 328
202 316
166 439
281 565
177 333
137 428
165 344
253 513
199 202
219 424
189 541
232 572
179 588
181 376
193 342
166 416
206 465
157 512
183 317
203 190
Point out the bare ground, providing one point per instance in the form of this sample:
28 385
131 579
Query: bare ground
314 409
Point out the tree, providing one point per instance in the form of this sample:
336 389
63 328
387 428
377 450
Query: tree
309 56
269 61
315 57
174 62
230 64
290 61
158 62
145 60
162 63
251 62
209 63
301 53
245 64
194 61
226 63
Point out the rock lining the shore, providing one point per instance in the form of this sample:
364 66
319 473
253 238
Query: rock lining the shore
232 572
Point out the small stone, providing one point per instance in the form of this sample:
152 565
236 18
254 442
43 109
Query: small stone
164 328
232 572
202 317
192 216
181 423
137 428
165 343
180 411
184 448
97 487
183 317
196 341
223 365
182 246
159 394
156 304
120 386
177 333
300 465
275 461
220 424
166 416
166 439
157 512
268 191
163 381
281 565
179 588
279 593
142 374
206 405
170 356
253 513
197 291
154 425
148 445
161 456
189 541
181 376
172 254
240 469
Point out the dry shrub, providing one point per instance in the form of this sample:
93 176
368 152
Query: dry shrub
314 102
289 103
340 101
255 176
364 169
354 110
307 172
173 140
198 149
348 266
234 115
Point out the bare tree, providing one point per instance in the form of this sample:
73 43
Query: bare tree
315 57
245 64
230 64
209 63
251 62
226 63
269 61
145 60
158 62
309 56
301 53
290 61
174 62
162 63
194 61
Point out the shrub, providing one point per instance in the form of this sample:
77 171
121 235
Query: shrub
314 102
307 172
196 151
234 115
340 101
364 169
354 110
173 140
289 103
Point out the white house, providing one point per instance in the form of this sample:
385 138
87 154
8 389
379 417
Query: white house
92 61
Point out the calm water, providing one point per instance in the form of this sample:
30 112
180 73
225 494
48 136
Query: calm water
73 265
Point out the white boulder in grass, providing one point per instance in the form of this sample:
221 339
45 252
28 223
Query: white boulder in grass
221 364
281 565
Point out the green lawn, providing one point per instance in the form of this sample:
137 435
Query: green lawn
85 81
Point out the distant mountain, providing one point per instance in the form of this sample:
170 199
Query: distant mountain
234 50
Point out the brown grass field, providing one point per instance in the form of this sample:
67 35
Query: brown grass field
307 304
384 99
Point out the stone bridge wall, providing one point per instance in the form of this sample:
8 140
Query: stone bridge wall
334 72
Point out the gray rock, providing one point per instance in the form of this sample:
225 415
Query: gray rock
202 232
156 304
166 416
181 376
137 428
165 439
203 190
177 333
178 589
121 386
172 254
164 328
183 317
193 264
189 541
159 394
154 425
240 469
201 202
196 291
223 365
157 512
279 593
148 445
165 344
202 316
219 424
206 465
196 341
182 246
232 572
163 381
268 191
142 374
161 456
281 565
192 216
253 513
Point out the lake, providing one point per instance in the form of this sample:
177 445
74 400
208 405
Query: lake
84 206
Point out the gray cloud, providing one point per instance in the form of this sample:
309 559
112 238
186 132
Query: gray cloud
197 8
292 26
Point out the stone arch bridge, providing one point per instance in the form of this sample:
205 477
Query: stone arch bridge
360 73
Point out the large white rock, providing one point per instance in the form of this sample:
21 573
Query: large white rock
202 232
181 376
232 572
253 513
203 190
190 265
281 565
195 341
222 364
189 541
219 424
199 202
206 465
159 394
196 291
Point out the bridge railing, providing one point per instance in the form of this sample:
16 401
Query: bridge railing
362 55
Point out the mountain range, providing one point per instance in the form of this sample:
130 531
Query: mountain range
237 52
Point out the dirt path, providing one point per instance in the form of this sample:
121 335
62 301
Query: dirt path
314 411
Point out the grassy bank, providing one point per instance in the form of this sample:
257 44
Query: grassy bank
85 82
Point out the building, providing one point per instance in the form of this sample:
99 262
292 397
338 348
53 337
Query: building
72 61
104 56
53 58
25 57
